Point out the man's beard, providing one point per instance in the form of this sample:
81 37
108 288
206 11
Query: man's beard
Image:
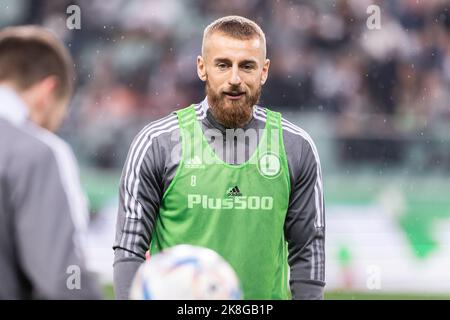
229 113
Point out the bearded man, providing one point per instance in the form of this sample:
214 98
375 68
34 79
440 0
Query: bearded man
228 175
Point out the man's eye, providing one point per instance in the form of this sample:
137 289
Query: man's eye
222 66
248 67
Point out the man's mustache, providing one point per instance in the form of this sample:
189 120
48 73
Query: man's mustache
234 91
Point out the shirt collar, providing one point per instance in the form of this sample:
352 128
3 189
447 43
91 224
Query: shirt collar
204 104
12 107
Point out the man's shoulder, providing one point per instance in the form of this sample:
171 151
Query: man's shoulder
164 127
292 133
298 144
29 145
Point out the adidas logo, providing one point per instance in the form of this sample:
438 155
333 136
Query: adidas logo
194 162
234 192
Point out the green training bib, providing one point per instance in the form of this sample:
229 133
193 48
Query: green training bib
236 210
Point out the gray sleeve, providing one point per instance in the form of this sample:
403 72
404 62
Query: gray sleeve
305 225
48 208
142 184
124 271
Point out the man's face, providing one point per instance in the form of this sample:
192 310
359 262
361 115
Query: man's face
234 71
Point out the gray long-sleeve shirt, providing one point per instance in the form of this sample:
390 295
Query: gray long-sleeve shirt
153 158
42 212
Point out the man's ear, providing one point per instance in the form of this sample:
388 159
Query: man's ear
265 71
39 93
45 89
39 98
201 68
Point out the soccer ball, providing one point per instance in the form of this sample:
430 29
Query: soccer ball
185 272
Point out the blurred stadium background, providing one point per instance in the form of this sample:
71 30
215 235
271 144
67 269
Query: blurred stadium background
376 102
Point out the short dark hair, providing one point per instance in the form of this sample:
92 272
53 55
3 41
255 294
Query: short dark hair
237 27
29 54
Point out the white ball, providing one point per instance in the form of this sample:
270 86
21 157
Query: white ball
185 272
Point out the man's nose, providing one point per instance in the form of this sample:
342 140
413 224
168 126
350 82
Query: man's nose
235 79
